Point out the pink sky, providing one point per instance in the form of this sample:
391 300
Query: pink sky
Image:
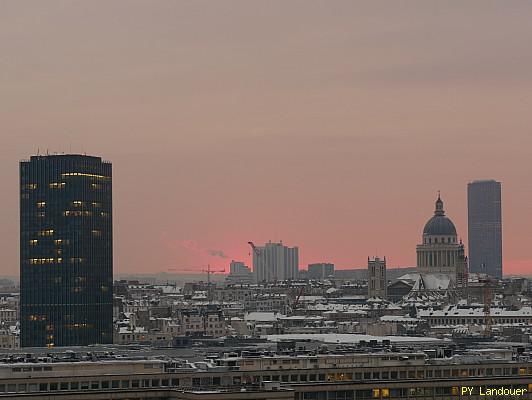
327 124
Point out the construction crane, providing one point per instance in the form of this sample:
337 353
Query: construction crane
257 252
255 249
207 270
296 301
210 271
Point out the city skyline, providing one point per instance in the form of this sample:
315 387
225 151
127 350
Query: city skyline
221 254
330 128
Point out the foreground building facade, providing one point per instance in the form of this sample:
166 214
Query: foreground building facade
66 251
339 375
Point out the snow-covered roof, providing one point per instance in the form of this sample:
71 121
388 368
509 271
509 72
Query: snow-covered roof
301 317
428 281
453 311
263 316
349 338
126 330
398 318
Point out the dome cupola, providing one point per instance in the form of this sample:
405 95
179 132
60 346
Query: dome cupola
439 224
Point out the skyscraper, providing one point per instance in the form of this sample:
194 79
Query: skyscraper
485 227
275 262
66 251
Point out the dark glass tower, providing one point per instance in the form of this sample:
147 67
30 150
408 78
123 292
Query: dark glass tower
66 251
485 227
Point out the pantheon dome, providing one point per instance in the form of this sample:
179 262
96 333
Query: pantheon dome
439 224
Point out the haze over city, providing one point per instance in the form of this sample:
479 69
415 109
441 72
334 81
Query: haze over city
330 127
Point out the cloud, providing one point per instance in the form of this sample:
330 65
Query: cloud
217 253
194 247
191 245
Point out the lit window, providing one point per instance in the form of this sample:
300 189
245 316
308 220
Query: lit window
376 393
385 392
41 204
39 214
57 185
96 204
104 214
33 242
42 261
96 233
77 203
95 176
77 213
47 232
96 186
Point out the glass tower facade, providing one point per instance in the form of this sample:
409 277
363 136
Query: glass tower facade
66 251
485 227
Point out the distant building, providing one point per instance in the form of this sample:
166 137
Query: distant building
66 251
239 273
275 262
320 271
440 251
377 280
485 227
398 289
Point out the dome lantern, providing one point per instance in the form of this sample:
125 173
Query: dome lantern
439 224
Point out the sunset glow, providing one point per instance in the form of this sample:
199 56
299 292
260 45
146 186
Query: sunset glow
330 127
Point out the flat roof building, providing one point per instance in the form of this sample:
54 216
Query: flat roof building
275 262
485 227
66 251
